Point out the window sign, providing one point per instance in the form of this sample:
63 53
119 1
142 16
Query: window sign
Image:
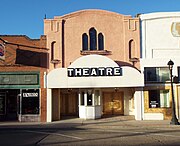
31 94
2 104
30 101
154 104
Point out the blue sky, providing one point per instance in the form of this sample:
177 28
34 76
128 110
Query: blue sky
25 17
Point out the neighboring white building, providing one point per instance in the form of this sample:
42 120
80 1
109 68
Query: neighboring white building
160 42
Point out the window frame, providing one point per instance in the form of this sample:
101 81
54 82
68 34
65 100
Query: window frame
93 38
157 75
100 41
52 50
156 100
93 43
26 108
84 42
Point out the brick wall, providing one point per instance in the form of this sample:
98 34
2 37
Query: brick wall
25 54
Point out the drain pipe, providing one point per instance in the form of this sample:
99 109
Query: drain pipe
63 44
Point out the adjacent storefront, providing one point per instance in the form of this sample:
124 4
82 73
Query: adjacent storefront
160 44
20 96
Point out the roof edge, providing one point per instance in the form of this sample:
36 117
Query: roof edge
79 12
24 36
158 15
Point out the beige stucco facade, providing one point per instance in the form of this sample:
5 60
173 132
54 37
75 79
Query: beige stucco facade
66 31
91 40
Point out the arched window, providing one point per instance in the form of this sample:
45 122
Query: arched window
52 50
84 42
131 49
93 39
100 41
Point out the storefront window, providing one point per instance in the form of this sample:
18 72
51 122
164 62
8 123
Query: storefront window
159 98
156 74
97 97
2 103
30 101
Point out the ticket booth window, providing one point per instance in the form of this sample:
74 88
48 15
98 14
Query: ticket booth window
97 97
90 104
89 99
82 98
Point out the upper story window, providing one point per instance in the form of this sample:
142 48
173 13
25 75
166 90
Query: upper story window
93 39
52 50
100 41
53 54
131 49
93 43
85 41
156 74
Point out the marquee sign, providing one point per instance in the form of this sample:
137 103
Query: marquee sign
94 71
101 71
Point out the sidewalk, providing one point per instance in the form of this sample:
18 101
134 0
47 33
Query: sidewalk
123 121
117 121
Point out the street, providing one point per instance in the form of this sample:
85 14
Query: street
107 131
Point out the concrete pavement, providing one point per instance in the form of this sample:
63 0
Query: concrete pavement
120 130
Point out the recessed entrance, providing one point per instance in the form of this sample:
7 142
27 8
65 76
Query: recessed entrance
69 103
113 103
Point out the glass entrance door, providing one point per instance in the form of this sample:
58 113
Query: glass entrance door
118 106
11 106
2 103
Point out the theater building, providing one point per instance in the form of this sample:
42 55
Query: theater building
23 62
92 64
160 33
94 67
